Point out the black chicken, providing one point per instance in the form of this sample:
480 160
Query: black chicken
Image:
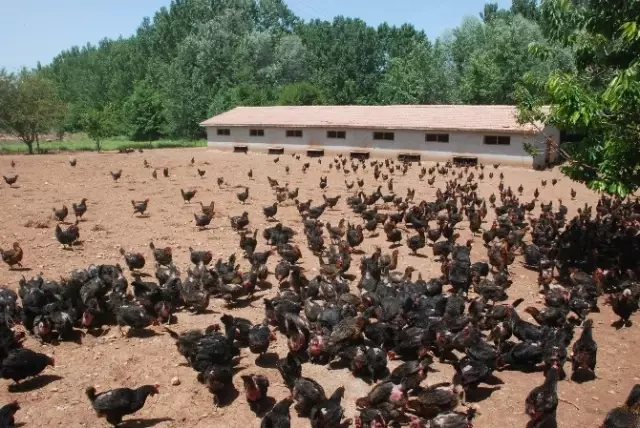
187 195
140 207
80 209
279 416
116 403
69 236
270 210
417 242
7 413
202 220
585 350
627 415
21 363
543 399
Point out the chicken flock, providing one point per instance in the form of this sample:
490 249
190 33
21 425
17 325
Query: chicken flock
464 316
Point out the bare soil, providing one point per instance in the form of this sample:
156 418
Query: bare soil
57 398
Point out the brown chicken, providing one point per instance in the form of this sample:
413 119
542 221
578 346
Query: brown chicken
116 175
12 257
10 180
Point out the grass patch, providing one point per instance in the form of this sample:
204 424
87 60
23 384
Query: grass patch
84 144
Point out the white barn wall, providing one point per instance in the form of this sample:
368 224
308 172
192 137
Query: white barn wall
406 141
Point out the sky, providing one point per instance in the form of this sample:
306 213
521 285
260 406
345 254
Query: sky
37 30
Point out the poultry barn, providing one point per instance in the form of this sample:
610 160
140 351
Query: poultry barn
464 134
199 288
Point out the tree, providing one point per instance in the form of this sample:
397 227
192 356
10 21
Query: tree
99 123
29 105
301 94
601 101
145 110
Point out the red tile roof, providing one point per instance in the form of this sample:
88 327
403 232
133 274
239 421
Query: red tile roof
464 118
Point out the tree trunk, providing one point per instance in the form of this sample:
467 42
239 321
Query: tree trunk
98 145
37 143
30 146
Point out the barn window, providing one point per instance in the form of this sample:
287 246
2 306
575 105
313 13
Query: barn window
256 132
436 138
388 136
337 134
224 131
497 140
294 133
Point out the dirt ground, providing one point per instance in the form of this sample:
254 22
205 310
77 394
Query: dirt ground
111 361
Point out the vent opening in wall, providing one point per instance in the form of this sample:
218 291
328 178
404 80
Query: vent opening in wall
409 157
240 149
360 155
276 150
315 153
465 161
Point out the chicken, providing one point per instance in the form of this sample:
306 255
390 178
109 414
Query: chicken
260 336
12 257
543 399
328 413
624 304
154 174
201 173
331 202
627 415
307 393
417 242
80 209
162 256
434 399
134 261
208 210
140 206
270 210
116 403
116 175
290 369
584 352
10 180
187 195
239 222
73 162
61 214
384 392
289 253
279 416
133 316
255 389
21 363
165 172
202 220
7 413
242 196
198 256
69 236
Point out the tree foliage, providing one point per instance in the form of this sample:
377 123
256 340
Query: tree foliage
601 100
200 57
100 123
28 105
146 112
